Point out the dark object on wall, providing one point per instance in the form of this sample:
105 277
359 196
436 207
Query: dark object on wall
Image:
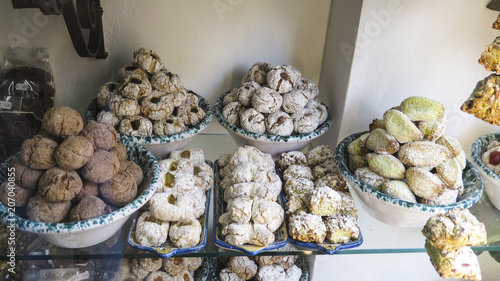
81 17
495 6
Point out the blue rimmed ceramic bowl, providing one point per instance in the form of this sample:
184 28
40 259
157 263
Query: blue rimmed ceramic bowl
90 232
271 144
400 213
491 180
161 146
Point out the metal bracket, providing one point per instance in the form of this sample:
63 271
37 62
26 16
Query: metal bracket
84 18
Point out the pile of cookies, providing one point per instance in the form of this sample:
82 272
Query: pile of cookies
71 169
274 100
157 269
250 186
449 238
319 205
407 155
174 211
262 268
148 100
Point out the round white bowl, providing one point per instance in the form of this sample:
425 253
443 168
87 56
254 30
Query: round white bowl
271 144
90 232
491 180
400 213
161 146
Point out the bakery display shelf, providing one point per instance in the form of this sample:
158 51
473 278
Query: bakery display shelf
378 238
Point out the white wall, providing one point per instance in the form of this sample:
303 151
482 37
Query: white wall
210 44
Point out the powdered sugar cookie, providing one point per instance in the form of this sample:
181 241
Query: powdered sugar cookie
246 92
168 206
122 106
294 100
258 72
137 269
297 171
195 155
170 126
319 108
166 81
305 120
253 121
283 78
279 123
150 264
148 60
227 275
192 98
290 158
231 112
271 273
175 166
243 266
270 214
157 106
266 100
230 97
151 231
309 87
191 114
131 69
159 276
108 117
320 154
185 234
135 87
136 126
105 93
183 276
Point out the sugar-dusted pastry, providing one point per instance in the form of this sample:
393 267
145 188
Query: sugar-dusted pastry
183 276
136 126
282 78
483 102
148 60
131 69
178 183
434 128
341 228
307 227
320 109
421 108
263 190
319 154
271 272
347 206
253 121
231 96
358 146
305 120
295 203
248 153
297 171
176 265
454 229
246 92
240 209
367 176
285 261
489 58
231 112
286 159
195 155
398 189
423 154
157 105
159 276
168 206
227 275
151 231
323 169
150 264
267 213
323 201
135 87
255 234
449 196
450 172
298 186
295 100
258 72
203 176
424 183
279 123
266 100
106 116
170 126
138 270
105 93
166 81
451 143
123 106
120 190
191 114
184 234
461 263
380 141
334 181
386 165
308 86
242 266
401 126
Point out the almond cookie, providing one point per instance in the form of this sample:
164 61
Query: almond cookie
175 166
136 126
267 213
366 175
433 129
297 171
424 183
151 231
243 266
421 108
102 166
334 181
294 100
89 207
398 189
183 276
122 106
157 106
41 210
305 120
62 121
105 93
262 190
451 143
271 272
380 141
231 96
319 154
307 227
323 201
108 117
423 154
358 146
169 206
253 121
120 190
309 87
286 159
131 69
135 87
450 173
176 183
170 126
132 168
148 60
166 81
282 78
279 123
185 234
246 92
320 109
240 209
231 112
151 264
266 100
177 265
120 151
159 276
58 185
248 153
138 271
258 72
323 169
401 126
191 114
73 152
386 165
88 189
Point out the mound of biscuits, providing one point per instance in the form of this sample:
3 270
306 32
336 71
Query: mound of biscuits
158 269
148 99
449 238
274 100
250 186
319 206
173 213
71 170
406 154
263 268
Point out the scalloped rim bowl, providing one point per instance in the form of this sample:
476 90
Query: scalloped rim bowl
90 232
162 146
271 144
397 212
491 180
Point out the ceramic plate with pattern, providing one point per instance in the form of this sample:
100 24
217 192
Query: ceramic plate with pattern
168 249
93 231
491 180
280 236
397 212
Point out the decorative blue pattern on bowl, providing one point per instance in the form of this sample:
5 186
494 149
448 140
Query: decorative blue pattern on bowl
135 153
491 180
473 184
92 111
168 249
280 236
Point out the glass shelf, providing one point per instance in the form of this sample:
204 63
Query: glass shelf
379 238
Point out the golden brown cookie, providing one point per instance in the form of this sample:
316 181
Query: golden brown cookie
62 121
73 152
38 153
101 167
58 185
120 190
89 207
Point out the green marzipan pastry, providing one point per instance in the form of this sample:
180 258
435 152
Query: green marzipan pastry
399 190
424 183
421 108
386 165
401 127
382 142
423 154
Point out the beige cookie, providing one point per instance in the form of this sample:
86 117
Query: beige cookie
120 190
185 234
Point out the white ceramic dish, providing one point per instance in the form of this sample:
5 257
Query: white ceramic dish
397 212
491 180
90 232
271 144
162 146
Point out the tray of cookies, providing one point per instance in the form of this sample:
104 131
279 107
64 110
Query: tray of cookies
248 209
175 220
195 268
320 211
